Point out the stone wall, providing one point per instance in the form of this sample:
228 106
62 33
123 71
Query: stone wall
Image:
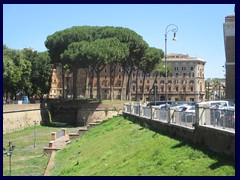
17 117
86 115
20 116
82 114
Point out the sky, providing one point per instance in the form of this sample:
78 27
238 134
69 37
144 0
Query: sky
200 26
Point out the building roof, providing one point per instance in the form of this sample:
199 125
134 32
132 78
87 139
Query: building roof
182 57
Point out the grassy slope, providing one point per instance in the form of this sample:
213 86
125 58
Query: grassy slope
27 160
119 147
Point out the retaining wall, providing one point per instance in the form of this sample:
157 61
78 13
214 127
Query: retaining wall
20 116
221 141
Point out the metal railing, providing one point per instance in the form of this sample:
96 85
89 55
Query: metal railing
185 119
161 114
59 134
224 119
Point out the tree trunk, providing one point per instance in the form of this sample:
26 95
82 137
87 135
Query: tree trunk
75 70
122 84
144 76
99 90
86 82
128 94
91 84
99 97
112 78
136 95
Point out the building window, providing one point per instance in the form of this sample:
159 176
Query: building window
169 89
176 68
140 81
147 88
177 89
162 89
176 74
183 68
191 89
133 88
191 68
184 89
148 81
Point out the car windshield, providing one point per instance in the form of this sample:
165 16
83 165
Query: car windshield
192 108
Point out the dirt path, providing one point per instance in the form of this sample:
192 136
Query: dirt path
50 164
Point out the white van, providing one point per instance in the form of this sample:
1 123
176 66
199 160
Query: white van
214 103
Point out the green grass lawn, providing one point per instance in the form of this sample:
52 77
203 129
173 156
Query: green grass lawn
27 160
119 147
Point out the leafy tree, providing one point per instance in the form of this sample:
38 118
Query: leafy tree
216 85
11 76
151 58
102 52
136 46
75 57
59 41
22 67
41 74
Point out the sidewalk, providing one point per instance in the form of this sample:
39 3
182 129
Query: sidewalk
50 164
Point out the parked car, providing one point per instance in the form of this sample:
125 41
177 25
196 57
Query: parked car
214 103
25 100
190 109
163 106
182 108
157 103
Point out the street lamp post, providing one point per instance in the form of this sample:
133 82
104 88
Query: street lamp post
84 121
174 29
155 89
35 123
9 154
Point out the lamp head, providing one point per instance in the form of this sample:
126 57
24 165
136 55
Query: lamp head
174 36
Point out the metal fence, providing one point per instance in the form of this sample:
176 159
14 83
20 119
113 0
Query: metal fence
224 119
161 114
59 134
185 119
147 112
